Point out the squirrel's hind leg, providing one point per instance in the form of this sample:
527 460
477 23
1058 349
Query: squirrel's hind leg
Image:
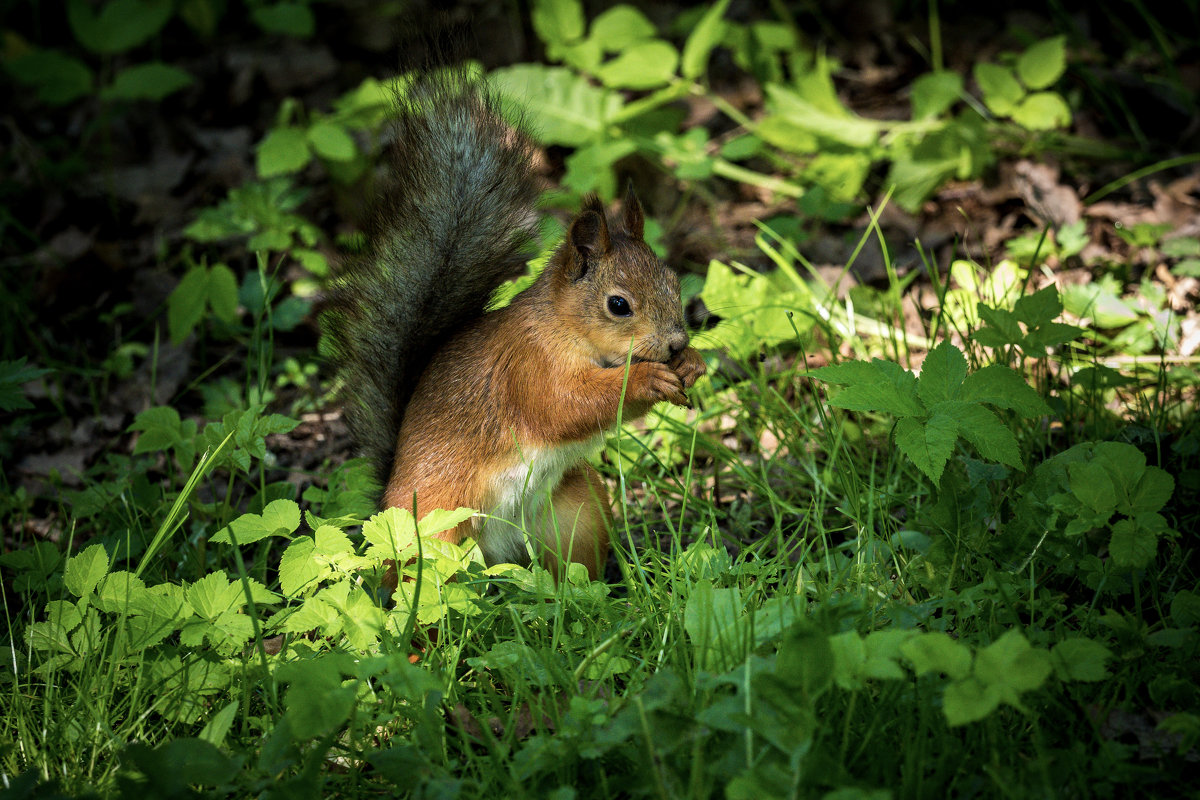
577 531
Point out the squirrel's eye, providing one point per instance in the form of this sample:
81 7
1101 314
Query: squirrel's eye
618 306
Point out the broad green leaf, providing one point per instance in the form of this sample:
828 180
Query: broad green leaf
844 127
805 660
716 624
1152 491
1043 63
298 570
875 386
1001 90
929 444
1039 308
120 24
284 150
704 37
1185 608
1002 329
440 520
185 306
279 518
215 594
58 78
330 140
218 725
569 109
590 168
222 292
84 570
1078 659
557 22
969 700
984 430
1092 484
937 652
942 373
619 27
1002 387
391 533
1042 111
1012 666
316 700
934 93
1132 545
121 592
151 81
645 65
288 19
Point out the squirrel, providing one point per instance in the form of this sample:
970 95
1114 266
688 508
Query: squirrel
497 410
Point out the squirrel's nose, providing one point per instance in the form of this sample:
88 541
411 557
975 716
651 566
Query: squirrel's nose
678 341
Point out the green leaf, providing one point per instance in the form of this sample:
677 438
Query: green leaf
937 652
645 65
928 444
84 570
1152 491
1012 666
151 81
934 93
619 27
942 373
842 127
58 78
1093 486
222 292
1079 659
985 431
1185 608
1132 545
1043 63
716 624
873 386
279 518
217 727
1039 308
1042 111
284 150
288 19
805 660
119 26
1001 90
1002 387
298 571
185 306
558 22
331 141
13 375
569 109
969 700
121 593
590 168
707 34
214 594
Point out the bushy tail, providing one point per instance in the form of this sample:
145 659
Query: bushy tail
454 223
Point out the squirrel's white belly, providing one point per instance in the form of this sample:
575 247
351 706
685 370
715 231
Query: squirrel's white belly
522 492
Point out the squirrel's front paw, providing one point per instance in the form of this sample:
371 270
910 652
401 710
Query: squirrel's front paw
688 365
659 382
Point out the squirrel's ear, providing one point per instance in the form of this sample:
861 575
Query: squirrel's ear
588 237
634 218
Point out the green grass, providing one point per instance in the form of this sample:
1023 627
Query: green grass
801 610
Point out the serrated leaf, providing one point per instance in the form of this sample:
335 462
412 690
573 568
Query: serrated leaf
279 518
1039 308
84 570
151 81
937 652
1132 546
213 595
878 386
283 151
1042 111
1152 490
933 93
707 34
1078 659
1012 666
298 570
392 533
984 430
1002 327
440 520
121 592
1043 63
185 306
942 373
1002 387
1001 90
929 443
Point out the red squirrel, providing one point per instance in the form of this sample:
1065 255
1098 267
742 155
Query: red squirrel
498 411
